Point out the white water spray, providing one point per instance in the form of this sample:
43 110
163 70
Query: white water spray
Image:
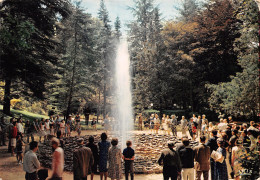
123 101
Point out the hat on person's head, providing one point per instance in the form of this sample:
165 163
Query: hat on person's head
170 143
80 140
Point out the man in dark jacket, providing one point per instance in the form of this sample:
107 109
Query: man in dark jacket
187 160
82 161
171 162
212 143
202 156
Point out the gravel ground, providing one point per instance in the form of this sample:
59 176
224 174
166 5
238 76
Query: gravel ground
10 170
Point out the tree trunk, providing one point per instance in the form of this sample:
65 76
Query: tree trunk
73 73
7 98
98 109
105 100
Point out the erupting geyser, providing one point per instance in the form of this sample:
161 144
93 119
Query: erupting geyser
123 114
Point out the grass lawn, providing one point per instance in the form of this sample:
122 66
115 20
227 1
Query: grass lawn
26 115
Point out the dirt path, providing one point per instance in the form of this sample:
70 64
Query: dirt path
10 170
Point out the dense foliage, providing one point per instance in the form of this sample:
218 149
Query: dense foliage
204 60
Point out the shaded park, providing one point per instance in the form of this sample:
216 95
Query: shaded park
154 72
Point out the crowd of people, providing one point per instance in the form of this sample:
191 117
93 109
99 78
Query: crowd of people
87 157
222 145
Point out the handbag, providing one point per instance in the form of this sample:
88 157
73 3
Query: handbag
218 157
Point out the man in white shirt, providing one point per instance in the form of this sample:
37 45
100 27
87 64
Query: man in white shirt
31 163
222 126
20 129
57 159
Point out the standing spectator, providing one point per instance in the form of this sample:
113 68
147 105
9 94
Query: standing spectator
104 145
114 159
27 129
199 121
13 137
52 131
140 122
94 124
77 118
202 157
57 123
194 119
180 146
222 126
228 131
204 128
253 140
221 167
42 130
184 124
233 138
204 120
20 129
187 161
156 123
82 161
228 155
57 160
168 122
171 162
129 156
62 128
69 121
212 143
190 127
67 129
237 152
94 150
210 129
33 129
194 131
164 125
19 149
246 140
31 163
3 126
10 128
173 125
78 128
47 126
232 141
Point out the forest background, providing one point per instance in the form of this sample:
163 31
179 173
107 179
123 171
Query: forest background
55 57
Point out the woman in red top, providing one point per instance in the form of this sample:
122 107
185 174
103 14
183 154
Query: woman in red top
13 138
194 130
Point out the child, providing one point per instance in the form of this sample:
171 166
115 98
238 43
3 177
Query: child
19 150
129 156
